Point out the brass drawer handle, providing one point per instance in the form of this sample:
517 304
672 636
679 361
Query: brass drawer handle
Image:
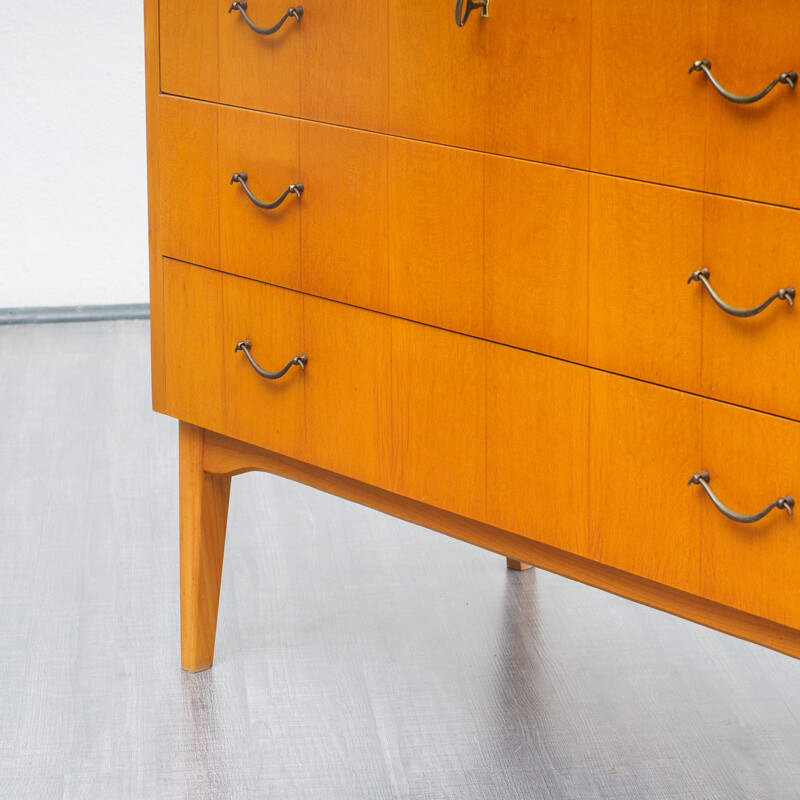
296 12
297 361
465 7
702 478
704 65
703 275
292 188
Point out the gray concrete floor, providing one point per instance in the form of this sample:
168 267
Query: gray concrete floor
357 656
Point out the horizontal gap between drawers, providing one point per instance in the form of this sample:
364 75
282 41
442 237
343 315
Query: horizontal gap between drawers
488 341
486 152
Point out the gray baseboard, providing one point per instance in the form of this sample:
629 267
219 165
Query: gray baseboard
44 314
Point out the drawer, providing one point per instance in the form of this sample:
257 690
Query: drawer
647 322
331 65
210 383
537 447
648 115
645 443
515 82
753 459
208 219
654 120
388 224
646 520
752 149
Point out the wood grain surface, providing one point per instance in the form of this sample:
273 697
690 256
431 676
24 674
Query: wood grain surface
263 244
751 251
644 242
590 84
648 114
204 518
749 45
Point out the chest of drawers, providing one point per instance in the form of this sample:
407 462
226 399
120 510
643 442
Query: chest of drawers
507 279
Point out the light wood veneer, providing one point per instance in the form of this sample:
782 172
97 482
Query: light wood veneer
487 270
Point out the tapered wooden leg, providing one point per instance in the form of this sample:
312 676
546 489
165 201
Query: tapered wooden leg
203 519
518 565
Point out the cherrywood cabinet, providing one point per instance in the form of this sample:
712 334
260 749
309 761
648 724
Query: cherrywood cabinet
527 281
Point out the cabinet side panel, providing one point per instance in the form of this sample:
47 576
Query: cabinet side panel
152 88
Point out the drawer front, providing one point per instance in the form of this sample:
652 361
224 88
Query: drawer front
654 120
209 382
645 443
515 82
645 519
330 65
647 322
753 459
752 149
472 243
648 115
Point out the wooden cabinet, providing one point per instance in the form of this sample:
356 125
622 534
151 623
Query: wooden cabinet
506 279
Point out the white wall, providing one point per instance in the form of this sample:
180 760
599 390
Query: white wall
73 204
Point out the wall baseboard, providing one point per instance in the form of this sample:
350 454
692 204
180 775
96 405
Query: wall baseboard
45 314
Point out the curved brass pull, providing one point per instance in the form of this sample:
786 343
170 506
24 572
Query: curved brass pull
296 12
297 361
702 479
292 188
703 275
465 7
704 65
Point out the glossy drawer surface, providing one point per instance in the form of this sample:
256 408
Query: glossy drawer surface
753 459
654 120
584 267
646 443
472 243
593 84
442 418
648 320
330 65
495 434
